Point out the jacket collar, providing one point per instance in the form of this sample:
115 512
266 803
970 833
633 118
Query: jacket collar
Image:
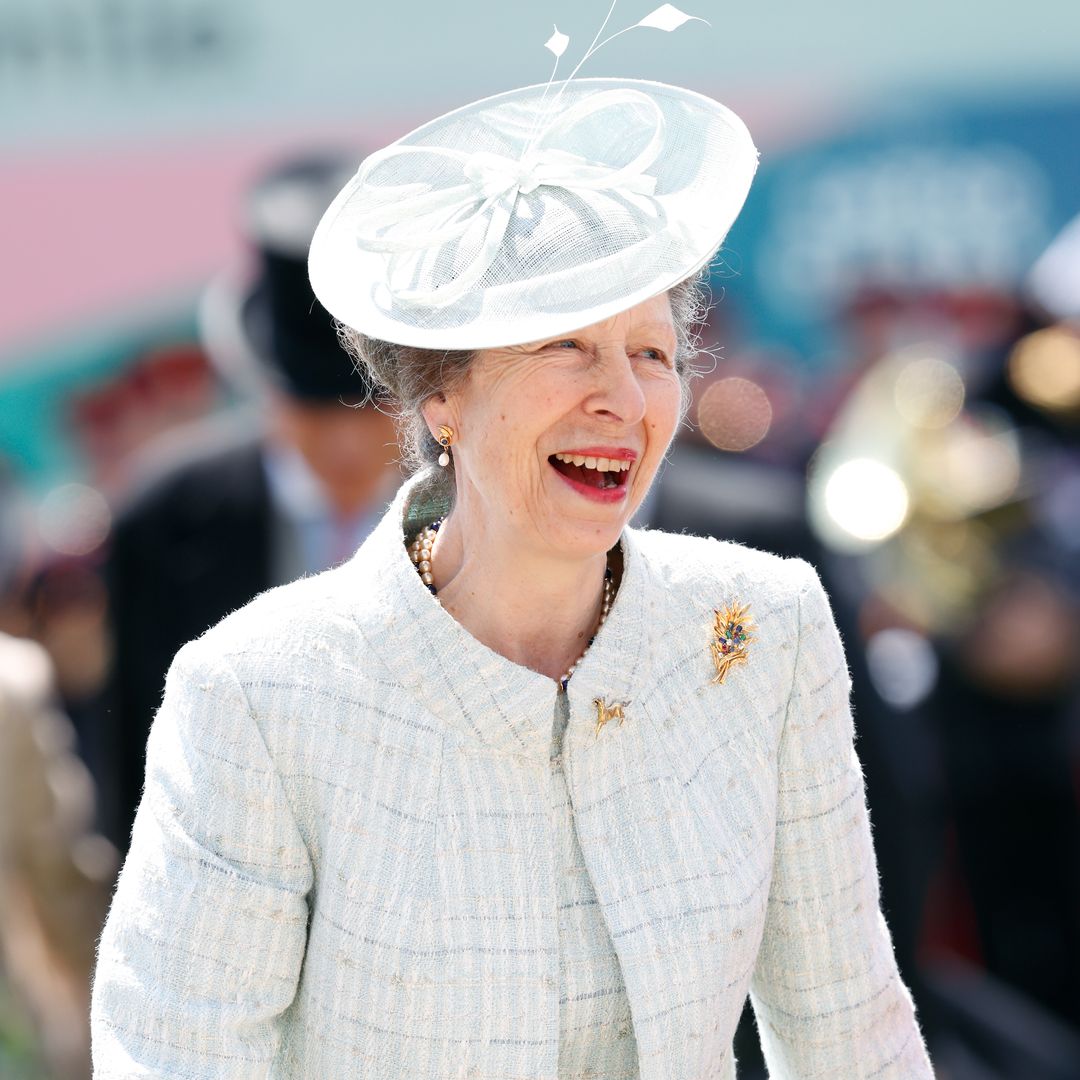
485 699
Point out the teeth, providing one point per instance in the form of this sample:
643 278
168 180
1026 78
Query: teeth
600 464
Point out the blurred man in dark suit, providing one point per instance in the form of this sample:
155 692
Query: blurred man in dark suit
250 499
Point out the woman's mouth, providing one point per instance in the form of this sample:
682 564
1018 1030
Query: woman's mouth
599 478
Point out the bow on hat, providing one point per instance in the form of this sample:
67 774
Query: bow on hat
413 219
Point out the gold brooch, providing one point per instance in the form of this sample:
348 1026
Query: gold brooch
733 630
604 713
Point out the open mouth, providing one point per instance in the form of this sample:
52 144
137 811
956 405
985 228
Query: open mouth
604 474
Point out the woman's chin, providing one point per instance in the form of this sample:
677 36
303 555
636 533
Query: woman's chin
585 538
574 525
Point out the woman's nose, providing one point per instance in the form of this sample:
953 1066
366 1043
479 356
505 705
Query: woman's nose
618 394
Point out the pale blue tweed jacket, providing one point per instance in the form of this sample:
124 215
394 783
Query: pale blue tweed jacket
343 862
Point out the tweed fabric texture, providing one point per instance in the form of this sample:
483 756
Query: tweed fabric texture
344 863
596 1032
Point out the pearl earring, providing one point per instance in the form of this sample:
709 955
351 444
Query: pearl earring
446 438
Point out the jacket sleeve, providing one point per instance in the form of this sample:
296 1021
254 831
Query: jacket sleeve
826 992
203 945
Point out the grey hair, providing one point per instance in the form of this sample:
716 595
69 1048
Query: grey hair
406 378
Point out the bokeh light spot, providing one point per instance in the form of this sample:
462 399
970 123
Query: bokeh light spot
929 392
734 414
1044 368
978 466
903 666
867 499
74 519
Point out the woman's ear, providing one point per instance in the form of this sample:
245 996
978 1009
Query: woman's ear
436 412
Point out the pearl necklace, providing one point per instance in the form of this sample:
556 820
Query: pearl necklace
420 553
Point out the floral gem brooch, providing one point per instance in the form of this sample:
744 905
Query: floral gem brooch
733 630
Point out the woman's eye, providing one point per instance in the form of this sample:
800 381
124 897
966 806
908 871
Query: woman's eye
655 354
567 344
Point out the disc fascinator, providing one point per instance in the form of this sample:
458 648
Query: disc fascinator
534 212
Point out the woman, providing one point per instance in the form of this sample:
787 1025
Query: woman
558 819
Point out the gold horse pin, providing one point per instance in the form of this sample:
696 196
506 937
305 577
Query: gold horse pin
605 712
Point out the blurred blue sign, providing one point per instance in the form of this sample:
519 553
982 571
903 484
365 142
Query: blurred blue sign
955 199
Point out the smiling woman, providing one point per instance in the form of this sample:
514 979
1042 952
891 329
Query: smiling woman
522 558
560 818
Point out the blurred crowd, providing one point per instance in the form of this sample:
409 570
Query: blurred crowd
933 478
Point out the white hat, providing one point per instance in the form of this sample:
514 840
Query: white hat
532 213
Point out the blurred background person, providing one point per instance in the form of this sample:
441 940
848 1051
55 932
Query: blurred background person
946 494
250 498
56 871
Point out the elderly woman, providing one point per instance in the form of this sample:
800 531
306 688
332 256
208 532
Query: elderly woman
518 791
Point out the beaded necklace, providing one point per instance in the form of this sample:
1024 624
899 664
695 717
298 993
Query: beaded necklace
420 553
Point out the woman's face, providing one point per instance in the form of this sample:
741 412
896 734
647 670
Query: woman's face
558 441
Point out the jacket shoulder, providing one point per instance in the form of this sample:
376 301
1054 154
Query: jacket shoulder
285 628
689 562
